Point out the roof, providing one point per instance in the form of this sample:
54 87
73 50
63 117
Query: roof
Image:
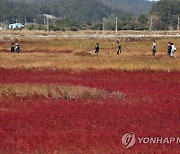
49 16
16 24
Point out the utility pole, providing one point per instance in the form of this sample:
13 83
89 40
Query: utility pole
25 23
178 24
151 24
116 26
34 24
47 24
6 24
103 24
44 20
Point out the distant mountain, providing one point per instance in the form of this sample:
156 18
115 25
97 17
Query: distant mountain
136 7
79 10
12 10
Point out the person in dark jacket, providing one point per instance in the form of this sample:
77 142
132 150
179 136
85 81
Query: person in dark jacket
154 48
169 49
118 48
12 47
97 48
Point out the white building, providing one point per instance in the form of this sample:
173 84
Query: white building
16 26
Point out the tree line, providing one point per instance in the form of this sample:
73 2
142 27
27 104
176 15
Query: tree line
89 14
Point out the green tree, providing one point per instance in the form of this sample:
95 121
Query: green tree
167 11
142 22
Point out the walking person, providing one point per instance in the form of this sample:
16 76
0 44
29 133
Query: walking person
154 48
17 48
97 48
169 49
12 47
118 48
173 49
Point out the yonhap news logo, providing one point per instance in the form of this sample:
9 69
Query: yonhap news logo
130 139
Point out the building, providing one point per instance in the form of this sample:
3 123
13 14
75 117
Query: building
49 16
16 26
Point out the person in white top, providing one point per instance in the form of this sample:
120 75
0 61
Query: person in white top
17 48
173 49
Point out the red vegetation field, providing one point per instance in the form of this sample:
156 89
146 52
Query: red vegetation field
37 124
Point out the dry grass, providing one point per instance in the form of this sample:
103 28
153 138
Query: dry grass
88 32
49 91
51 54
56 61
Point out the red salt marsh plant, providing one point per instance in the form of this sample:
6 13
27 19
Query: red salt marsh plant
38 125
84 125
148 83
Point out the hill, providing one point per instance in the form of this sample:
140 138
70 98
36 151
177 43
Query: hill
12 10
136 7
79 10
